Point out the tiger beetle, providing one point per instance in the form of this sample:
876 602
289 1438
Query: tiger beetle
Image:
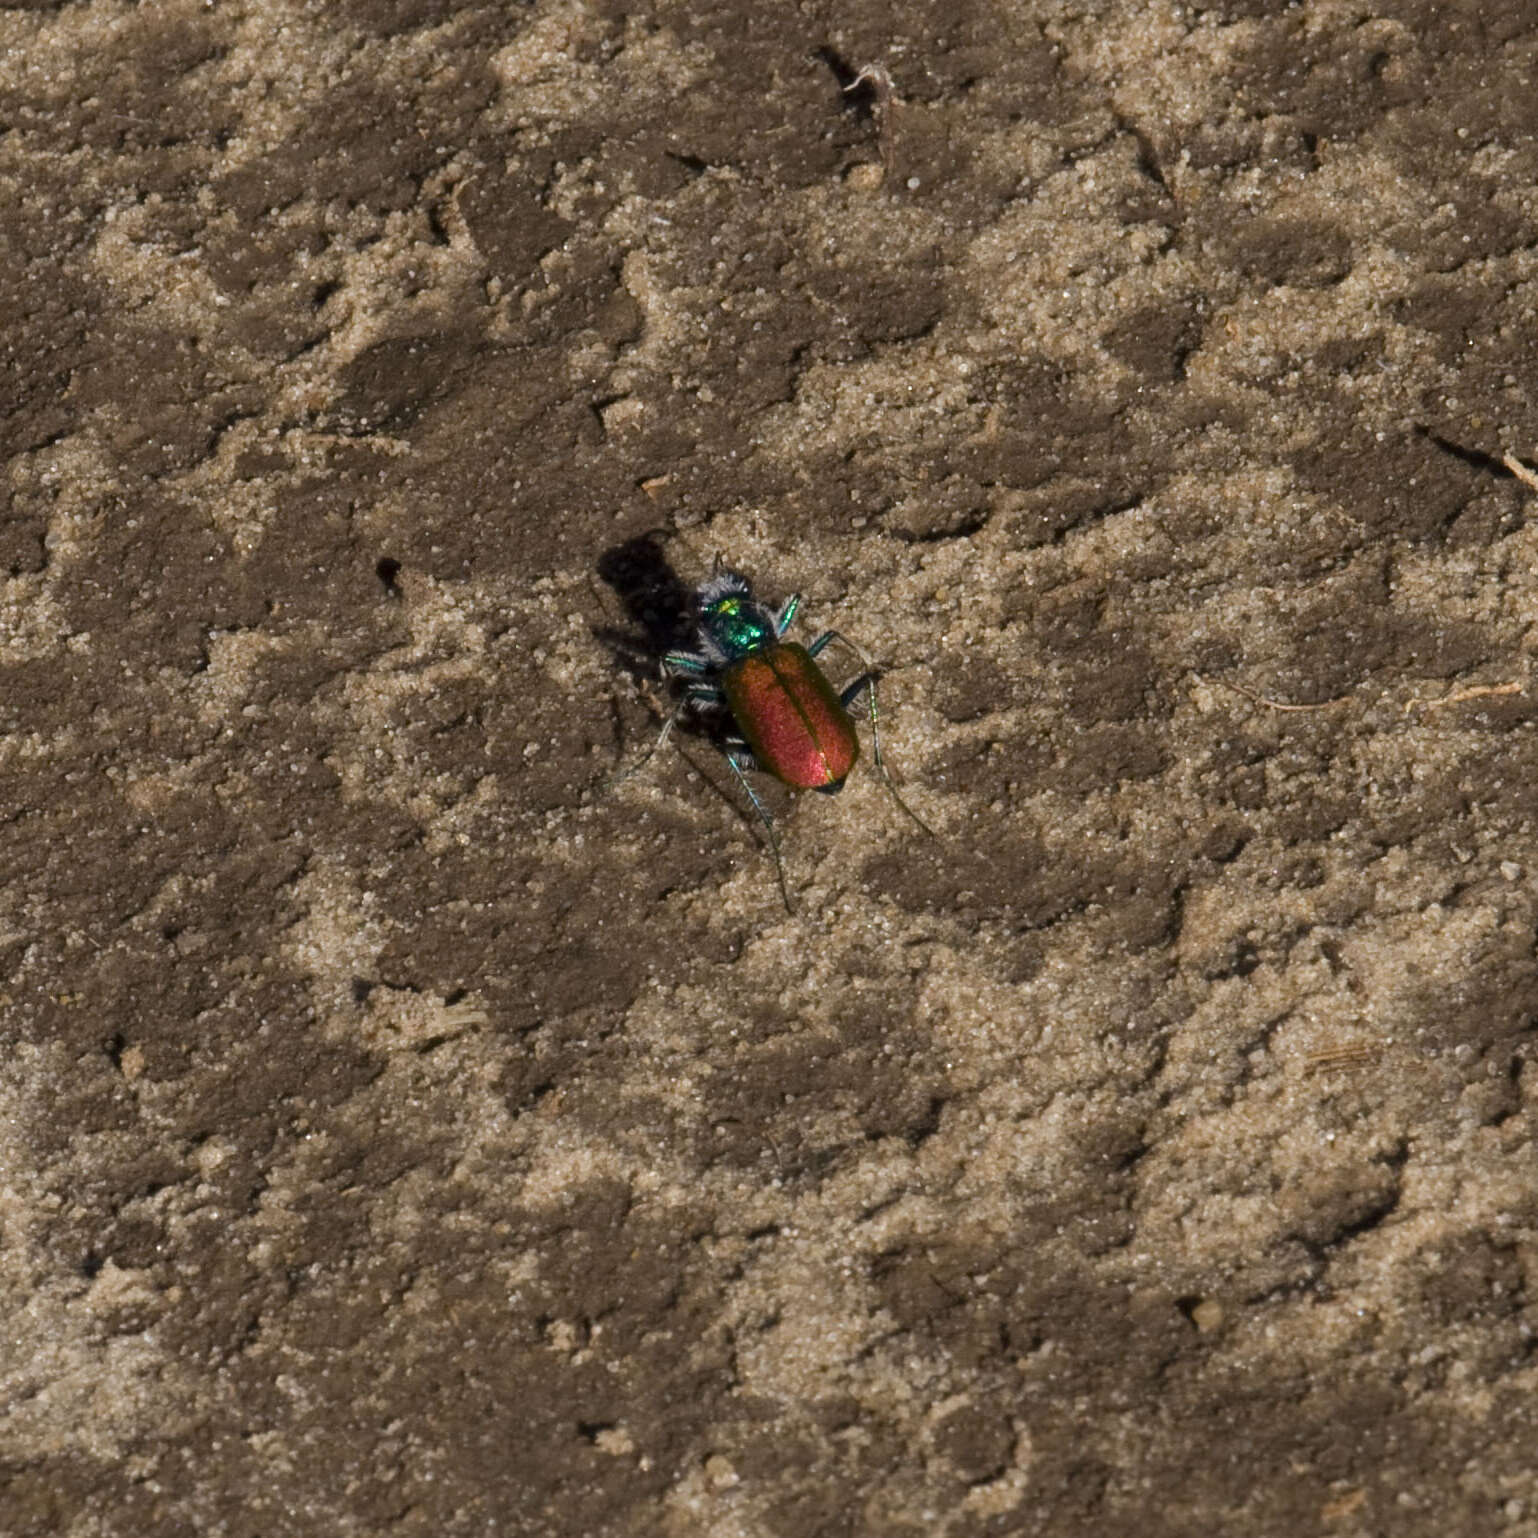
790 722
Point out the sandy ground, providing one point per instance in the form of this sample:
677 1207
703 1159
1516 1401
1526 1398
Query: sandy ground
405 1130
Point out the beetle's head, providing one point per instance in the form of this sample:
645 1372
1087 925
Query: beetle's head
732 623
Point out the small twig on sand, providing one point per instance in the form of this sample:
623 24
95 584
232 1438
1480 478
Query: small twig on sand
1347 1055
1260 699
1476 692
884 100
1524 473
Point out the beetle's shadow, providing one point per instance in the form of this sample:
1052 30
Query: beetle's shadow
660 607
657 602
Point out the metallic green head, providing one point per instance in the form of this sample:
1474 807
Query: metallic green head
732 623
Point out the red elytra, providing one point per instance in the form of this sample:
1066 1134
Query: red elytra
790 717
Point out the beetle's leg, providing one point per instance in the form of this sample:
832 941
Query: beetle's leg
741 759
687 662
866 684
698 692
662 736
621 775
787 612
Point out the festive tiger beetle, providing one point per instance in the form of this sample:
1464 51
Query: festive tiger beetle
790 721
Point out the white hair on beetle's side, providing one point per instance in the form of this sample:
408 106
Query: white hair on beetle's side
721 584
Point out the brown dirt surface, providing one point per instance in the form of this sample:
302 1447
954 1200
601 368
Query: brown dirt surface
407 1129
